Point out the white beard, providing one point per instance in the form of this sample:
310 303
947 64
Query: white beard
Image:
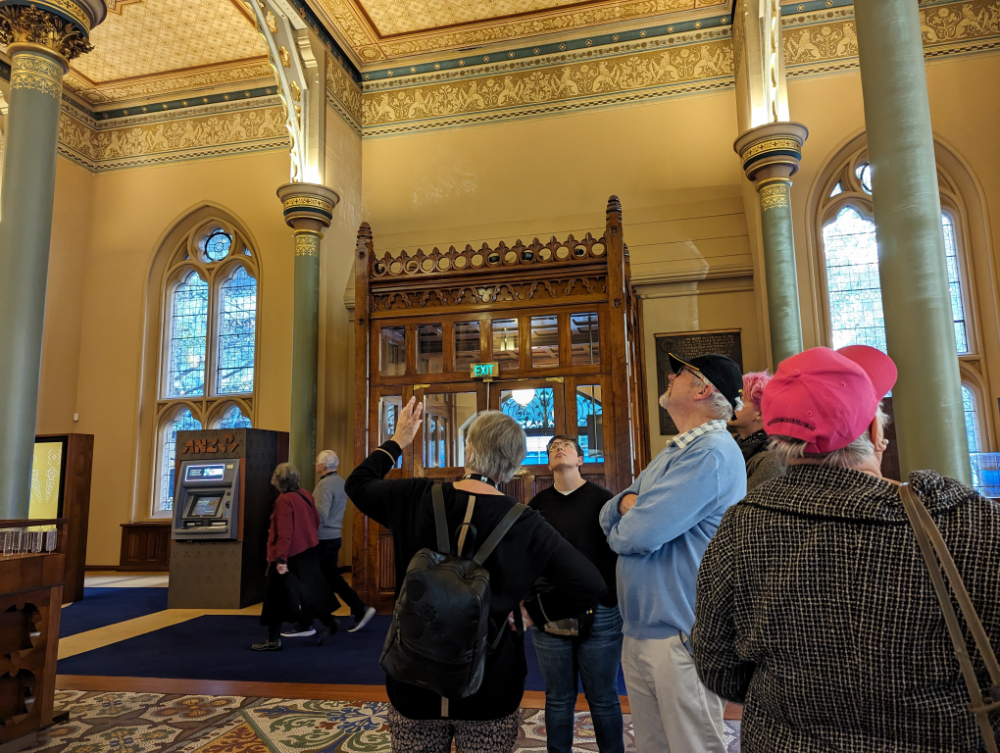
665 398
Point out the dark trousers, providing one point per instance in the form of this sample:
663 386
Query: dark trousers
329 552
594 660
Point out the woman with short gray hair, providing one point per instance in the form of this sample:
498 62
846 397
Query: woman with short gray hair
488 720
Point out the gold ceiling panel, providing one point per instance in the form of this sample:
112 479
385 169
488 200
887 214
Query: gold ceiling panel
162 36
384 30
394 17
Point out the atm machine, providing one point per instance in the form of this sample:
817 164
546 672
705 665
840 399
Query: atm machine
222 507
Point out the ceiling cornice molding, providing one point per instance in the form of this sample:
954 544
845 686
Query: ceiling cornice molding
615 40
374 49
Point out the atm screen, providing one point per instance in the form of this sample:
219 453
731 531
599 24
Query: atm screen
205 507
205 472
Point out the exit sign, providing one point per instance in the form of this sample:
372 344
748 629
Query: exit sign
484 370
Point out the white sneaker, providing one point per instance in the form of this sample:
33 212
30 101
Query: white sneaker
299 633
358 624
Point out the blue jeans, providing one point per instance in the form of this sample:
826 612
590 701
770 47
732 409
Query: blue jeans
596 659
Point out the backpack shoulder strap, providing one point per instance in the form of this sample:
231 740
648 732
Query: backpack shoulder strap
929 539
440 519
498 533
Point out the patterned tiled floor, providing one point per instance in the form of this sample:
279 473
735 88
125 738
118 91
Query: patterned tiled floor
158 723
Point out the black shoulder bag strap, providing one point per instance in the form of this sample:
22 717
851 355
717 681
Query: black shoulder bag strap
440 519
487 549
929 539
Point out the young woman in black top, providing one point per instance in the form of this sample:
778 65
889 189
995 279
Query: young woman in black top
488 720
573 505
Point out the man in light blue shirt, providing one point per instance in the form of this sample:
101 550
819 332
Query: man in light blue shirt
660 527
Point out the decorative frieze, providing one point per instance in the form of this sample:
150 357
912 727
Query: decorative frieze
827 41
156 142
670 70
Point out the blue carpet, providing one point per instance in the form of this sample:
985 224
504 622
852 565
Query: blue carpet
106 606
217 648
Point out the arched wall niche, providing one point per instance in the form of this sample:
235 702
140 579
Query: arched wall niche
179 251
964 200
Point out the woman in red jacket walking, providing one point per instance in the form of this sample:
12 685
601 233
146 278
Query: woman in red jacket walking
296 588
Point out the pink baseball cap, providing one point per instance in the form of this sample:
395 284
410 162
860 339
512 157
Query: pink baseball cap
877 365
827 398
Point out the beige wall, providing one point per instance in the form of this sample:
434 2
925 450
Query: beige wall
57 394
335 427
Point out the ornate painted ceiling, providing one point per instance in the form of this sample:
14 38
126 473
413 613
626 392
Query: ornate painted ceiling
159 48
385 30
151 47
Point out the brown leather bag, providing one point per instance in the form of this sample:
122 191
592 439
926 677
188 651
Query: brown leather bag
930 541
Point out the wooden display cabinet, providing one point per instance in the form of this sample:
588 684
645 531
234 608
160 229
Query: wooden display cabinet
561 322
31 597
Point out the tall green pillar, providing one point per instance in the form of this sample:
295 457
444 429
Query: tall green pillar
41 38
920 334
771 155
308 209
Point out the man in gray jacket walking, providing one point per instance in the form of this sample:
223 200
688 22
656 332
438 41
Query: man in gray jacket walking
331 503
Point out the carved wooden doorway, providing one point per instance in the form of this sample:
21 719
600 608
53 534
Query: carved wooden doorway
560 321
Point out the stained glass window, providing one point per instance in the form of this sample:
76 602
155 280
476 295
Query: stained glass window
864 173
971 422
217 246
237 326
534 410
853 282
954 287
184 421
233 418
590 422
836 189
188 336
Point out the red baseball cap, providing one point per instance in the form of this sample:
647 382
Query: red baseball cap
826 398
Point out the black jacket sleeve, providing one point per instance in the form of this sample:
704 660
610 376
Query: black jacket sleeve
368 489
576 584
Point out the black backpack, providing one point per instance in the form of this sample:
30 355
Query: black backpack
438 636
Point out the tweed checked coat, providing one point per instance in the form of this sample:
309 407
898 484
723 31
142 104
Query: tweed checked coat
814 608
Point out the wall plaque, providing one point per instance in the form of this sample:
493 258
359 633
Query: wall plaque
688 345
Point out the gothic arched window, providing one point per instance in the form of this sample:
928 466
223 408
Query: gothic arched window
178 420
971 418
209 344
852 290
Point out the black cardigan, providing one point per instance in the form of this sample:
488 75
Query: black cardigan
530 550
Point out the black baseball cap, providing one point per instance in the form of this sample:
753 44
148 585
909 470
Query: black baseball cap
724 373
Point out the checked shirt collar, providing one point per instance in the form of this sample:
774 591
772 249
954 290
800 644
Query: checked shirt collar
683 440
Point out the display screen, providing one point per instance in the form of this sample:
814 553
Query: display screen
205 472
205 507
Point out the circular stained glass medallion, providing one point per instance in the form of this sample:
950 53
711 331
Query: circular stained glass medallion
217 246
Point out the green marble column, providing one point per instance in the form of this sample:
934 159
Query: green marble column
927 398
308 208
40 39
771 154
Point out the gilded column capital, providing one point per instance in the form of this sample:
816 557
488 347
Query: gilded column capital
771 150
59 27
307 206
